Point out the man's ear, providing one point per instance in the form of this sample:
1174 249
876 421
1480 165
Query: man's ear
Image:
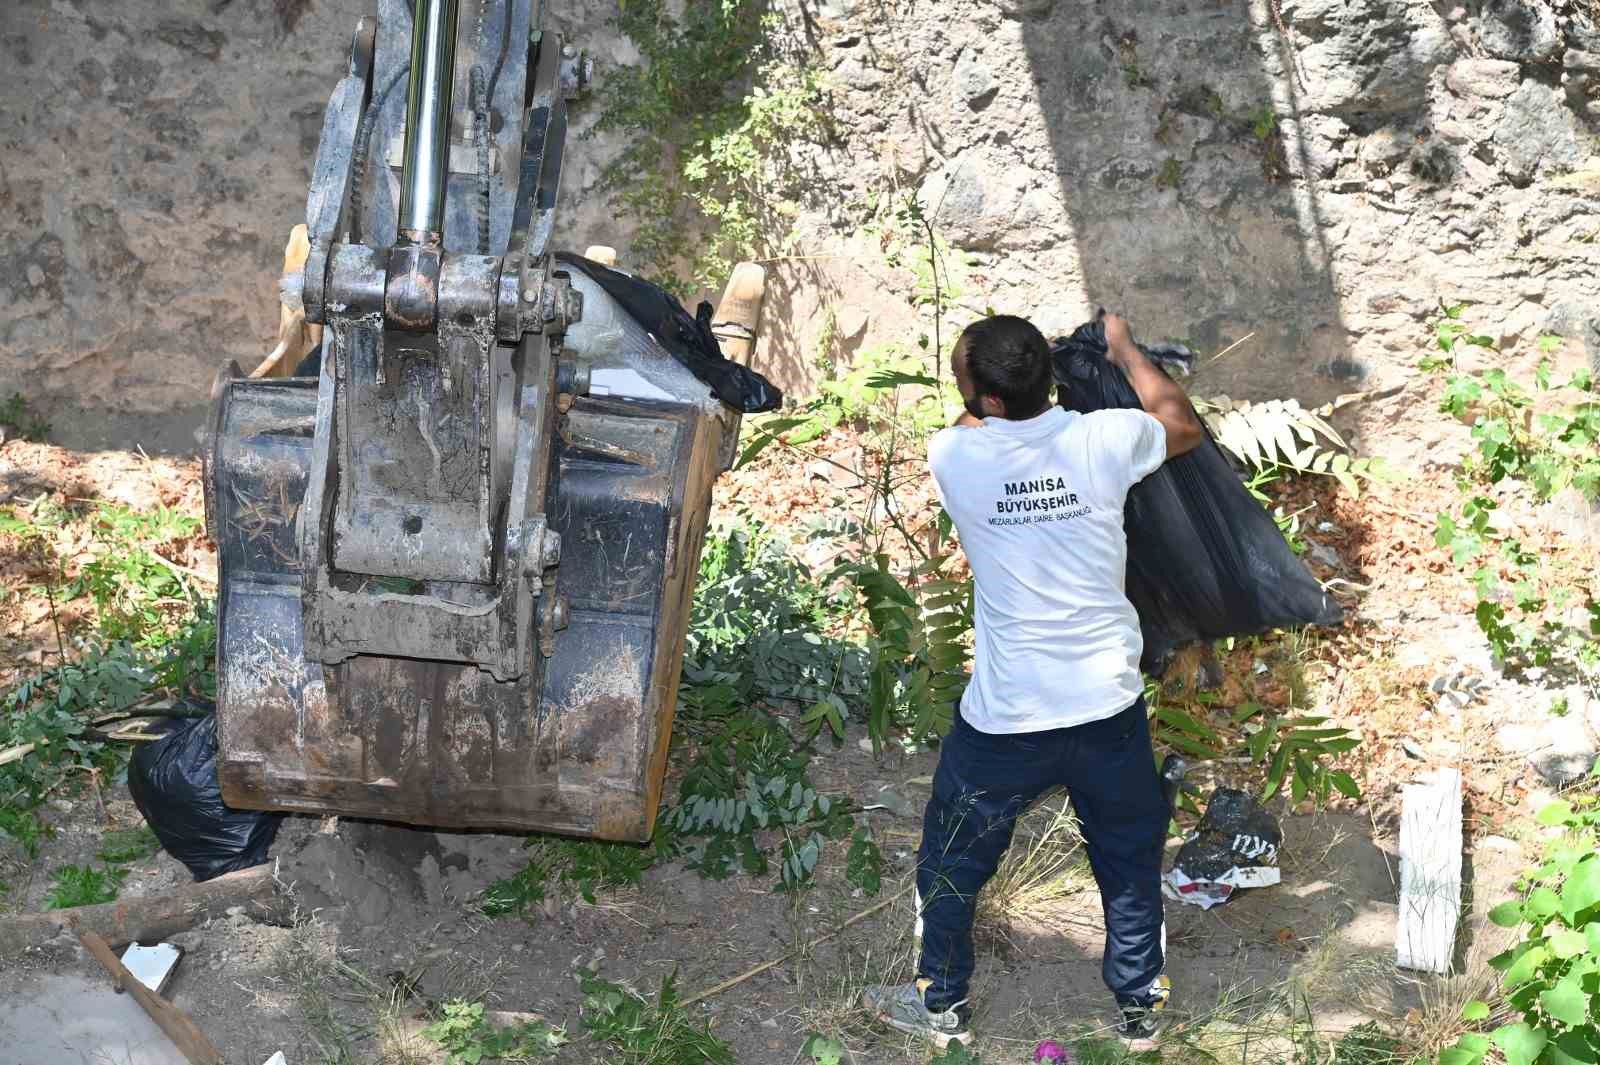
993 406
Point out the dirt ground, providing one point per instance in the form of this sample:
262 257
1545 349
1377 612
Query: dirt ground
385 906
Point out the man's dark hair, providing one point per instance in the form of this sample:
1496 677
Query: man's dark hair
1008 357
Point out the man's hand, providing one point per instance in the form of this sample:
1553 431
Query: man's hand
1158 394
1119 338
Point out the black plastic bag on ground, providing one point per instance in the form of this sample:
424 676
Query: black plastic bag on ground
1205 559
688 338
174 783
1234 846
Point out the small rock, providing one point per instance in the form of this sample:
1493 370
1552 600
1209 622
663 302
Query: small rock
1499 844
35 275
1568 754
1492 78
1412 750
896 803
1524 30
770 1022
974 80
1324 554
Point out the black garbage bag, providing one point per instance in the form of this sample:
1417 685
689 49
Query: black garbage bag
687 337
1234 846
1205 559
174 784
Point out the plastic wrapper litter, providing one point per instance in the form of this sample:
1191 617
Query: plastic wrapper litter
1234 846
1205 559
174 784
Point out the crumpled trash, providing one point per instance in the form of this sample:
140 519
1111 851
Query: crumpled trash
1205 559
1234 846
174 784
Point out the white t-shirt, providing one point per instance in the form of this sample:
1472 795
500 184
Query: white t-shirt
1038 505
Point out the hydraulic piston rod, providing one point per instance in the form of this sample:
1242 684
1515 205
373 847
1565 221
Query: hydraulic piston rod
427 145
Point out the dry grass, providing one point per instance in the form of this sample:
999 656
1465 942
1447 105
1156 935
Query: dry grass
1437 1023
1044 868
353 1016
829 983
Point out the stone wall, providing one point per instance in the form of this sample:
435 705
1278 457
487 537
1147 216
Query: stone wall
1323 184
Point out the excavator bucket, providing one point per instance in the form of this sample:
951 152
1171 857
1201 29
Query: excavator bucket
456 565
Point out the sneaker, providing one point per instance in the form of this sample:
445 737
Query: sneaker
902 1006
1143 1022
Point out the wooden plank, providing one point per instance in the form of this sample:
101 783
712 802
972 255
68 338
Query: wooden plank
154 917
184 1033
1430 873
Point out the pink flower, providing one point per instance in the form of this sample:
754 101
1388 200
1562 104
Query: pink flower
1051 1052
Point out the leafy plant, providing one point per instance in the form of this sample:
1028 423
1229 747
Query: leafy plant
468 1038
1279 434
705 112
25 827
639 1032
1550 977
1531 611
587 865
920 631
1294 749
82 885
18 416
121 846
138 595
751 778
863 863
760 624
1288 524
822 1050
152 634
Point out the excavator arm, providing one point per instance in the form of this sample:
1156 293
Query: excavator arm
456 566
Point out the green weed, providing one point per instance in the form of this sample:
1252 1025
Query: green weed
1526 602
153 633
82 885
1547 979
19 419
25 827
639 1032
705 112
467 1038
120 846
587 865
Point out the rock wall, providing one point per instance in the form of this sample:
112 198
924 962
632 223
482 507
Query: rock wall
1321 182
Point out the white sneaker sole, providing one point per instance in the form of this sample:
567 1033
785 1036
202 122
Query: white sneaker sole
940 1040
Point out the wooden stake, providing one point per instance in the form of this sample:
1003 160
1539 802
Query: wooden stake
183 1032
1430 873
153 917
764 966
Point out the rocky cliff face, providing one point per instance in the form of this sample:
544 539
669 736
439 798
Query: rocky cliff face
1318 172
1321 176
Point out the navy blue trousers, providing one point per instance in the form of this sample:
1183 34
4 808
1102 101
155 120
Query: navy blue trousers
981 786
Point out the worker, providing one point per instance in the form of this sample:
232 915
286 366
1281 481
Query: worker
1036 493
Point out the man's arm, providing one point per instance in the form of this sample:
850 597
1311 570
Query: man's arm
1158 394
